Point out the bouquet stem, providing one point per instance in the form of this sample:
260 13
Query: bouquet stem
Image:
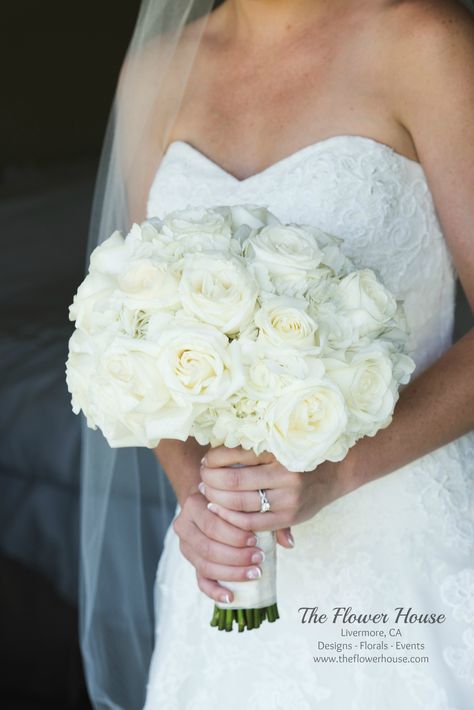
245 618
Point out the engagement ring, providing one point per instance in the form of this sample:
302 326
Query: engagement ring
264 502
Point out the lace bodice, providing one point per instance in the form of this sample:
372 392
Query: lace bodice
357 188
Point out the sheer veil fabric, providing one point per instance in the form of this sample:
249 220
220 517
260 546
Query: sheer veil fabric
127 502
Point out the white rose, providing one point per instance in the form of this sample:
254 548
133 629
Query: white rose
305 422
336 327
270 369
195 229
398 330
321 286
174 249
117 383
109 256
90 301
284 321
332 254
253 216
149 283
198 364
113 255
149 229
247 220
133 403
403 367
198 220
366 380
241 423
369 304
218 290
203 425
283 256
81 369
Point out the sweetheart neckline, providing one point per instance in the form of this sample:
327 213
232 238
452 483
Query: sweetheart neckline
296 154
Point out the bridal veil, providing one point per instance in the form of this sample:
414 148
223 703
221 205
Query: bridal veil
127 502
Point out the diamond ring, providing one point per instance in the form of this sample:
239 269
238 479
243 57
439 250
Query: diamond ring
264 502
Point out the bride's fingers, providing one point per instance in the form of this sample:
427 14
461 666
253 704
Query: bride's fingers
247 501
248 478
213 589
213 570
285 538
220 553
195 512
249 521
222 456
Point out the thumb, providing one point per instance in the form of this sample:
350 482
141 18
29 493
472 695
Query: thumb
285 538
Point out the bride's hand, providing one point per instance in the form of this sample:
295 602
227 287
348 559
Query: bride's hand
216 548
293 497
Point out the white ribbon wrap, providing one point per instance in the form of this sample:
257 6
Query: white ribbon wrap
256 593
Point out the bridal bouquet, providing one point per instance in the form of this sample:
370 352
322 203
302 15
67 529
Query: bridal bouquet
226 325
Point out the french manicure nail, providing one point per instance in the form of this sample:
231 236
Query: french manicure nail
254 573
202 487
212 507
203 461
251 541
290 539
225 598
258 557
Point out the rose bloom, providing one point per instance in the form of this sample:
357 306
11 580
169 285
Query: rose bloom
368 303
92 301
269 369
281 258
305 422
113 254
284 321
117 383
197 220
198 364
218 290
366 381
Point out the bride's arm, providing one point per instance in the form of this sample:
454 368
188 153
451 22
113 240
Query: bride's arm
433 85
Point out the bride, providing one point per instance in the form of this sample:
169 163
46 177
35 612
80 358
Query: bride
356 117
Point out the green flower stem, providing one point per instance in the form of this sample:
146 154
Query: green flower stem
250 618
221 626
215 616
245 618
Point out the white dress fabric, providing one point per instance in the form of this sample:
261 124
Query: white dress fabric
404 540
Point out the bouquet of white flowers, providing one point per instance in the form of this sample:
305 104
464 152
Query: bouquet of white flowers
226 325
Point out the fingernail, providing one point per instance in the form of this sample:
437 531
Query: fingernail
212 507
254 573
290 539
203 461
258 557
225 598
252 541
202 487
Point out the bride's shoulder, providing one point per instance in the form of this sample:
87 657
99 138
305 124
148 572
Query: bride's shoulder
431 25
429 48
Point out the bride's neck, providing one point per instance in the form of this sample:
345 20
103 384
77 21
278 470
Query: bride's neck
274 19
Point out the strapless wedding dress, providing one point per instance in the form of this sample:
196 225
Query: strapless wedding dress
405 540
